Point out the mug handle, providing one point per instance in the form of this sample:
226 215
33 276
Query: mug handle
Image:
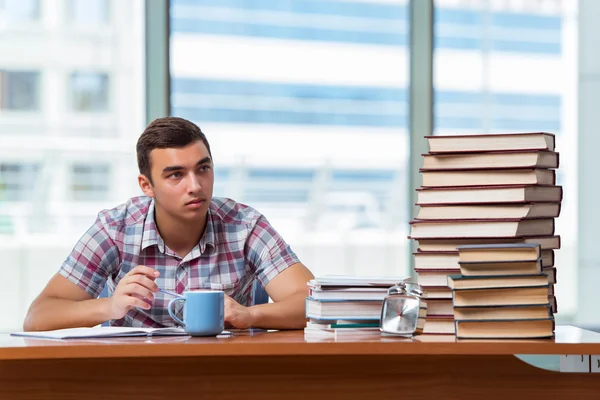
172 314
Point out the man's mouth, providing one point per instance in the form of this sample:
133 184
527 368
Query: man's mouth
194 202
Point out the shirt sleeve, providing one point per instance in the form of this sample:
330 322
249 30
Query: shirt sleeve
268 253
92 260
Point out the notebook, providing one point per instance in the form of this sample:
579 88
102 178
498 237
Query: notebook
102 332
355 281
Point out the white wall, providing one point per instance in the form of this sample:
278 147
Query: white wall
25 269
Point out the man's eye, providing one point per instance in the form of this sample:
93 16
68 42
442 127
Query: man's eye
205 168
175 175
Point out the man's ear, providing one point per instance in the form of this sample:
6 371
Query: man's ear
145 185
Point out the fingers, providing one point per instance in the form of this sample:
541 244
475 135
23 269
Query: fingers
228 313
139 290
142 281
142 298
144 270
236 315
229 299
137 302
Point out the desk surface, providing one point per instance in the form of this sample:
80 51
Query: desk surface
568 340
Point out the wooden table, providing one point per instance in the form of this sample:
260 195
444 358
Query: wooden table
285 365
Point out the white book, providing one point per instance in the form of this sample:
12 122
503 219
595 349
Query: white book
102 332
354 281
343 293
343 309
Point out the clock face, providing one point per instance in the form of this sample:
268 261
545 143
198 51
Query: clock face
400 314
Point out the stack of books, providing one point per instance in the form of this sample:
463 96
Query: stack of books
346 304
501 293
482 189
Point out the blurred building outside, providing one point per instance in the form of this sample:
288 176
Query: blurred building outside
304 104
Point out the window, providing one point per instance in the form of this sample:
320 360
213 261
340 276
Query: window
90 182
278 185
88 12
89 91
6 225
57 111
19 10
495 66
17 181
288 103
305 105
511 66
19 90
359 22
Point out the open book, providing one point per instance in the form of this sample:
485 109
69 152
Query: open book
102 332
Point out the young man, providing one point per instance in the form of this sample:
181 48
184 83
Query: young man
177 237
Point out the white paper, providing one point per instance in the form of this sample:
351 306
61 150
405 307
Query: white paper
101 331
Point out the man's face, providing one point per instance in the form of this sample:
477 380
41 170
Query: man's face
183 180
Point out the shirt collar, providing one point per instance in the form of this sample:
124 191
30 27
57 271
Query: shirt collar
151 237
208 239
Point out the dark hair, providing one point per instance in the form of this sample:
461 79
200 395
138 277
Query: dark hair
163 133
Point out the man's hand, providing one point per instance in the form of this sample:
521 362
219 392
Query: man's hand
236 315
136 289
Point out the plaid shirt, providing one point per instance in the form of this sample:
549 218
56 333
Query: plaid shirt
238 246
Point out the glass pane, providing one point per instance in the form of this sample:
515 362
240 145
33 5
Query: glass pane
86 12
90 182
89 91
305 105
58 167
19 10
511 66
17 181
19 90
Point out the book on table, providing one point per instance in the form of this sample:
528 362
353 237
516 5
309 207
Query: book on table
349 287
311 333
430 245
482 194
436 260
505 329
537 295
496 160
437 292
499 252
489 177
509 228
435 325
434 277
551 273
517 311
440 307
352 281
343 309
547 258
337 327
461 282
500 268
102 332
346 293
488 211
491 142
448 260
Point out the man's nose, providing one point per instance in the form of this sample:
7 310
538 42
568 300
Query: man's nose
194 183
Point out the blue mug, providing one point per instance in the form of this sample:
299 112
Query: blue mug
203 312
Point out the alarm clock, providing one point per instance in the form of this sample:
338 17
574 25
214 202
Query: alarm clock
404 310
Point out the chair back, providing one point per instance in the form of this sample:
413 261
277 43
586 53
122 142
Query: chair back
259 294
